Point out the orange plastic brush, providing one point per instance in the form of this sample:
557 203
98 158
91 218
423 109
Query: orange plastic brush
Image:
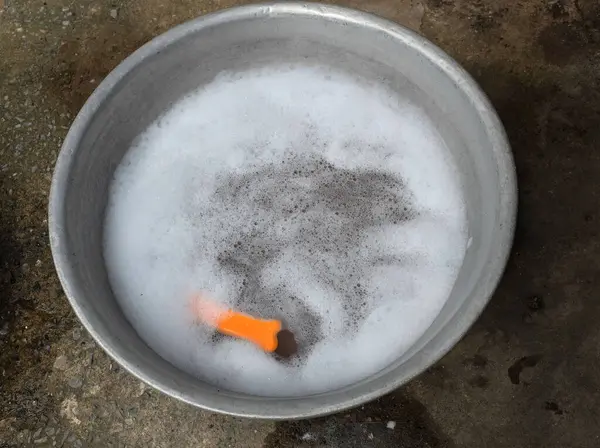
267 334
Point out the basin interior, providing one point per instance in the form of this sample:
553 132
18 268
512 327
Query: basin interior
183 61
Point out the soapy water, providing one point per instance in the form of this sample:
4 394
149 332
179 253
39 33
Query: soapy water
291 192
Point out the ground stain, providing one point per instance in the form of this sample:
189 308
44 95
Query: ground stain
365 427
477 361
514 371
563 42
557 8
554 407
479 381
571 36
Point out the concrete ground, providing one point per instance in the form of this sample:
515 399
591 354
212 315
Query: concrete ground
526 375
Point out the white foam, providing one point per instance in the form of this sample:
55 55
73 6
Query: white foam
172 214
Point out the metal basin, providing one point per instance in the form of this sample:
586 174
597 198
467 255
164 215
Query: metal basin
188 56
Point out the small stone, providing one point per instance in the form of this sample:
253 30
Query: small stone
129 421
50 431
24 436
61 363
76 334
66 23
38 263
89 360
391 424
75 382
25 268
114 13
42 440
141 389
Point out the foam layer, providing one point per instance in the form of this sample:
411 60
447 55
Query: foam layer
294 192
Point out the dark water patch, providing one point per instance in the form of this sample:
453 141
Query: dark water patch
320 213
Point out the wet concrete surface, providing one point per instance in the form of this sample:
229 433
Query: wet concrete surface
526 375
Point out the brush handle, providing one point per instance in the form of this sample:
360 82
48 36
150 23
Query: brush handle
261 332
